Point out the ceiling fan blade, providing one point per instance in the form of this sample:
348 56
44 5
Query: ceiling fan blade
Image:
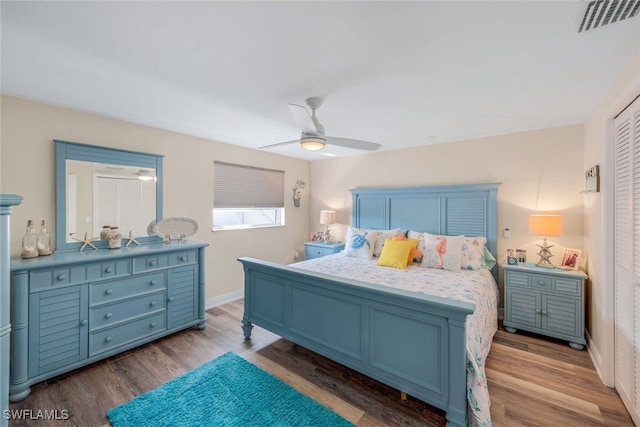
280 144
353 143
303 118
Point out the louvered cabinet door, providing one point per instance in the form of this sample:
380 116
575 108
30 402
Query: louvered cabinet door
58 328
627 257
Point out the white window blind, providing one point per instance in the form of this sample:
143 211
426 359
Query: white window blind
240 187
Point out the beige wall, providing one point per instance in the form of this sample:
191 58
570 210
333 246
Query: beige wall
27 168
598 212
542 168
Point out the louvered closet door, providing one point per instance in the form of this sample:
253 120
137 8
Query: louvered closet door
627 258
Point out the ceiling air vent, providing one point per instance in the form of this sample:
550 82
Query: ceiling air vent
598 13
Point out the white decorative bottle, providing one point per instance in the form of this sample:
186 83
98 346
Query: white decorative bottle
44 240
29 242
115 238
104 233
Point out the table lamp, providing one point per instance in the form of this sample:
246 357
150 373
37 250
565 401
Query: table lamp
545 225
327 218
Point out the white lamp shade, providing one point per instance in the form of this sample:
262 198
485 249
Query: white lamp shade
327 217
545 225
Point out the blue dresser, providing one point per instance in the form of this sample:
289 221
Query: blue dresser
319 249
7 201
74 308
548 301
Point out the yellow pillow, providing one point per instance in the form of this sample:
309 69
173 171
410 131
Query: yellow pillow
395 253
414 252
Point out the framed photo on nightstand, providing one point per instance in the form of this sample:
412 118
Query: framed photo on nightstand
516 256
570 259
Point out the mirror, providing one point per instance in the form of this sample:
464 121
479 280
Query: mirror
98 186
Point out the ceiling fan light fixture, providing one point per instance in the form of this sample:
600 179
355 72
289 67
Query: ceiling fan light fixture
313 143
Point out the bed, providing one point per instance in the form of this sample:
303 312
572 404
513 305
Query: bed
412 341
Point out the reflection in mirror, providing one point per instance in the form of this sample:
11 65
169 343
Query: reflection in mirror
101 195
105 186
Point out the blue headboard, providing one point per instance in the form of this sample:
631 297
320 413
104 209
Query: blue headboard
471 210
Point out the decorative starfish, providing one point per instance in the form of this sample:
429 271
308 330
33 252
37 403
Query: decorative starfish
131 240
86 241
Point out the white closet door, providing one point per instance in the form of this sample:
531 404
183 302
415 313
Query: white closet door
626 258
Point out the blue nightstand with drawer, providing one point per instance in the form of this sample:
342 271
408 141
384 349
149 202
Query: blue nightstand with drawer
318 249
548 301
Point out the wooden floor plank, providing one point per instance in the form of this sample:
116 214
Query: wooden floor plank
533 381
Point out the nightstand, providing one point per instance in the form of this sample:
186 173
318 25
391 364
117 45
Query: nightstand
318 249
548 301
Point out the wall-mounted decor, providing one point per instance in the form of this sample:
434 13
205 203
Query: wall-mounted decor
297 191
592 179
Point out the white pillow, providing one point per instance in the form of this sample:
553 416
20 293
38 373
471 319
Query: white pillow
442 252
360 243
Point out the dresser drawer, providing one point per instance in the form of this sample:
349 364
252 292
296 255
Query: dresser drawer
76 274
155 262
517 278
104 292
541 282
110 314
125 333
568 286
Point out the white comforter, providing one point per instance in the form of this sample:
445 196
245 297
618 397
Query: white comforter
477 287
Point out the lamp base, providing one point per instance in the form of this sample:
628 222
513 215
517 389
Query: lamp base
545 254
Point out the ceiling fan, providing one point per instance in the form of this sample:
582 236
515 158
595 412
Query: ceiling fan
313 137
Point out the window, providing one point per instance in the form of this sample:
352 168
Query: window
246 196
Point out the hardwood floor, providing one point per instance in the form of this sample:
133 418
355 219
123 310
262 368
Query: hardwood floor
533 381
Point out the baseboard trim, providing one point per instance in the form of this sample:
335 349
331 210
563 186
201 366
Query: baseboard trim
595 356
223 299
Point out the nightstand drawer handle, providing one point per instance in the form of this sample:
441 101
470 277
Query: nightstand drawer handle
537 310
108 316
108 339
153 282
62 277
318 253
108 292
152 325
152 304
544 312
152 263
183 258
85 322
541 282
108 270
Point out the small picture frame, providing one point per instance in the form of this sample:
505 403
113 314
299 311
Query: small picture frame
516 256
320 236
313 237
570 259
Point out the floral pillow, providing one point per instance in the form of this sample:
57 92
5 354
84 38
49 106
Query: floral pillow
382 236
472 253
442 252
360 243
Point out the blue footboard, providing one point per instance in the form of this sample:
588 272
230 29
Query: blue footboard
412 342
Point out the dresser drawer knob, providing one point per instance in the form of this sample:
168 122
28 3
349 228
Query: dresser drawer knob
152 304
152 325
62 277
153 282
170 299
108 316
108 292
85 322
541 282
108 339
183 258
152 263
537 310
108 270
544 312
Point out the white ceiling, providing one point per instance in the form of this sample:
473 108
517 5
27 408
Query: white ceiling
401 74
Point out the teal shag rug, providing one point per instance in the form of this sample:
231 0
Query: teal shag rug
227 391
